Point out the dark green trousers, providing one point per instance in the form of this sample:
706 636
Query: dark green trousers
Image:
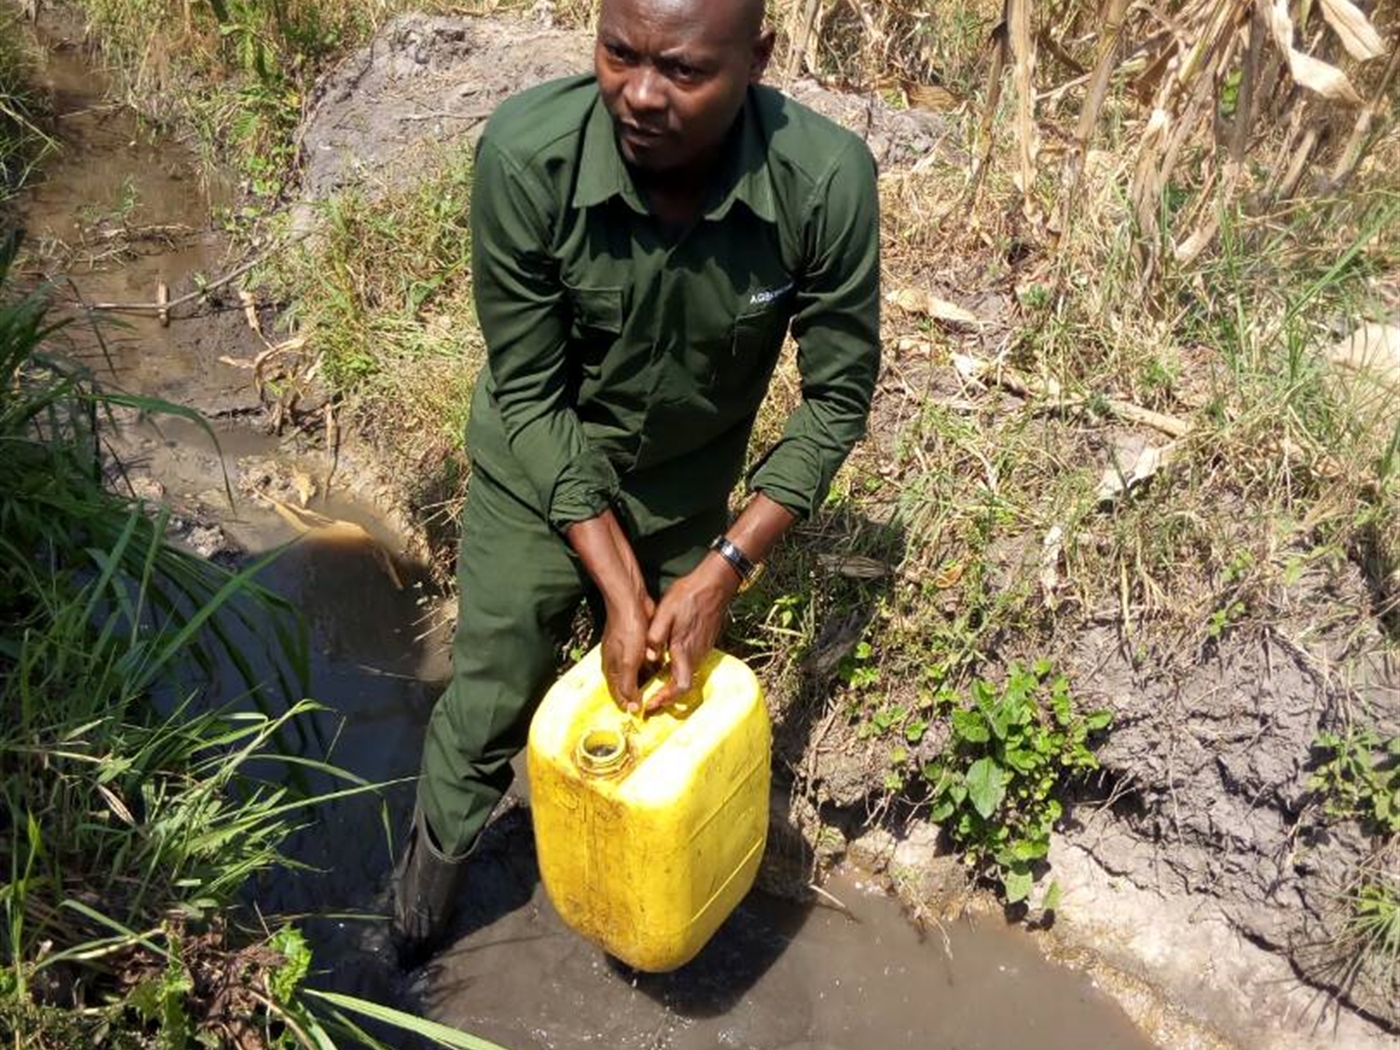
520 586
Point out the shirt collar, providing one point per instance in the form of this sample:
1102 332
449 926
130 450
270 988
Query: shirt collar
744 177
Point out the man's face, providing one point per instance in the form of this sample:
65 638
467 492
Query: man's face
673 74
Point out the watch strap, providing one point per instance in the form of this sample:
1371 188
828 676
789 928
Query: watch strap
737 559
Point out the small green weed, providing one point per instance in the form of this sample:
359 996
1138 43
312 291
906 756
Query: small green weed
118 213
1358 778
1365 947
1376 914
858 672
995 788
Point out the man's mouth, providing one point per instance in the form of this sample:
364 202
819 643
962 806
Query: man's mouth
642 136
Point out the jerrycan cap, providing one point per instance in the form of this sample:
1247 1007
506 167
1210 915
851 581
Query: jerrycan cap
603 751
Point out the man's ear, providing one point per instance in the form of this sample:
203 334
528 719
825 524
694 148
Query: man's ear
762 55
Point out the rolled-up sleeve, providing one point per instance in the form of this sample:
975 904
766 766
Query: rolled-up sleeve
519 302
837 328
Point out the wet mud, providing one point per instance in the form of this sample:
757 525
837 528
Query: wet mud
123 210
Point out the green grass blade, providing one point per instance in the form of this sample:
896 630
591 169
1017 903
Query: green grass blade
441 1034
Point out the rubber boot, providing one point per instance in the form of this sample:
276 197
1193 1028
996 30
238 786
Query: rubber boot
425 895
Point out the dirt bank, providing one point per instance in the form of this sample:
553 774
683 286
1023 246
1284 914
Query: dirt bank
426 83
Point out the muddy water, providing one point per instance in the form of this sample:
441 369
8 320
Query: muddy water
778 975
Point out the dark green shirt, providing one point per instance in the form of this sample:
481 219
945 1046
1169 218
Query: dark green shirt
625 362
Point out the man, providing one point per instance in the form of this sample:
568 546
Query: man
642 239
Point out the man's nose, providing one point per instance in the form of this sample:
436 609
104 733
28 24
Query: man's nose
645 92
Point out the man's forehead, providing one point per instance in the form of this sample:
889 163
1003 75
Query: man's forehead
708 21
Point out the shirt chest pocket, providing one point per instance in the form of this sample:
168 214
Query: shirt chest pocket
747 356
595 315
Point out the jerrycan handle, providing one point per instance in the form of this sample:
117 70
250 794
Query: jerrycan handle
651 685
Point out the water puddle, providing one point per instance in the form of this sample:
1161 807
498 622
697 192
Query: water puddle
778 976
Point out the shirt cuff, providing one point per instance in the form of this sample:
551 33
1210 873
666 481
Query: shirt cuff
792 477
586 487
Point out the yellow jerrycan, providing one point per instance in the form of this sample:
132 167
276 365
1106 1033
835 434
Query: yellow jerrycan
649 831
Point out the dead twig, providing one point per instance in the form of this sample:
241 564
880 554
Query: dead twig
442 114
198 293
1007 379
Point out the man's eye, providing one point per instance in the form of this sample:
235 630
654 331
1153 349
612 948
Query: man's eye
618 53
684 73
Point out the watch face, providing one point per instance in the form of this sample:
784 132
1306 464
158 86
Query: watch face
741 565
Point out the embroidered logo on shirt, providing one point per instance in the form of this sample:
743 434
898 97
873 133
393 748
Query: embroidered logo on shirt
768 295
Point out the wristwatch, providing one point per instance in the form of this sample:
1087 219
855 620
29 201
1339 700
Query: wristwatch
746 570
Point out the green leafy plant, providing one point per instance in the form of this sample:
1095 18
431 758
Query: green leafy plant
1358 777
859 671
995 788
1376 914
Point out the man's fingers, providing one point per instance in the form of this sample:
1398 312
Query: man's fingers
621 694
678 684
621 673
659 631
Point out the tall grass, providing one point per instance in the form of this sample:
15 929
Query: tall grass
23 140
135 808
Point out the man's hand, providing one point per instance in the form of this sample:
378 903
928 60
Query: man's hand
688 622
625 649
607 555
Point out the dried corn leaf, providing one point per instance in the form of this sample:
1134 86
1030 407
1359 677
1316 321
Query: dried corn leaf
932 97
116 805
1325 79
1373 349
1120 477
1051 551
250 310
1147 82
855 566
1311 73
1022 39
1354 29
919 301
949 575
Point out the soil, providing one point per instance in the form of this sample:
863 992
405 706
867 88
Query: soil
1210 757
